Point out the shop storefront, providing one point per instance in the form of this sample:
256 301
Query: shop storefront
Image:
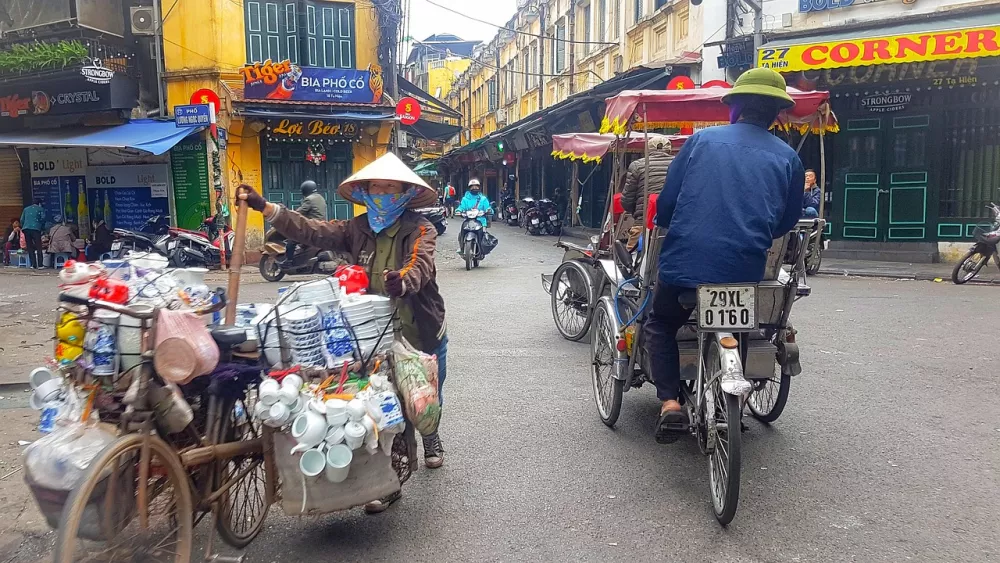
918 154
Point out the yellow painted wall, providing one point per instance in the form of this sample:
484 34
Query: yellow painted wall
204 42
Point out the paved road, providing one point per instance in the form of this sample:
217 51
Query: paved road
888 450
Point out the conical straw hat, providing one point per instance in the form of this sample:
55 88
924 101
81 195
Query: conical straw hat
389 167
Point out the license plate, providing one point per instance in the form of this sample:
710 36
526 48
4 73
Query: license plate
727 308
117 245
553 217
534 221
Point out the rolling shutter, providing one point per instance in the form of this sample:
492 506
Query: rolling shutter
10 178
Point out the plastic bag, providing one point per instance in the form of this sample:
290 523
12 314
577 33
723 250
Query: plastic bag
60 459
489 243
416 379
184 347
353 279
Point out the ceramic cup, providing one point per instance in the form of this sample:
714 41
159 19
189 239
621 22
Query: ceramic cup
39 376
356 410
292 380
268 391
338 463
312 462
288 395
38 405
299 406
278 415
336 412
260 410
354 435
335 435
308 429
48 390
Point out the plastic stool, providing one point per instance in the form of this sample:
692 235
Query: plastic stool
60 259
23 261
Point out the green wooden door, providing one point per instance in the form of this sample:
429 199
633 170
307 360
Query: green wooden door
286 167
885 178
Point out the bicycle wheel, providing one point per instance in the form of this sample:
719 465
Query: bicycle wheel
101 520
243 509
723 414
607 389
572 297
767 401
969 266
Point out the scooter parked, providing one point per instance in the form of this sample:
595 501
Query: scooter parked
982 250
152 237
549 217
532 216
511 213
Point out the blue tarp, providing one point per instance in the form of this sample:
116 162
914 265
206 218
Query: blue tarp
147 135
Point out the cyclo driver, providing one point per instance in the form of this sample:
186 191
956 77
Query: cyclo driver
729 192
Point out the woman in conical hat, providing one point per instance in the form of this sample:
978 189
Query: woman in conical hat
395 246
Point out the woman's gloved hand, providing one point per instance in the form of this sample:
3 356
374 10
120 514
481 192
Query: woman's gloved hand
394 284
253 199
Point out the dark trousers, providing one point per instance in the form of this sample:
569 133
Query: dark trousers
34 240
290 246
660 333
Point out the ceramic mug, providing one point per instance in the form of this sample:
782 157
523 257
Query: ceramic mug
356 410
260 410
288 394
312 462
268 391
354 435
39 376
278 415
48 390
338 463
336 412
335 435
308 429
292 380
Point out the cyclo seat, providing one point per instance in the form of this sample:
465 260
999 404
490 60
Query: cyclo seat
229 336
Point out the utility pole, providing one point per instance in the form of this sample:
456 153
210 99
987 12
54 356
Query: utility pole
541 54
758 24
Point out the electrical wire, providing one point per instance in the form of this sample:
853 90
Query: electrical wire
525 33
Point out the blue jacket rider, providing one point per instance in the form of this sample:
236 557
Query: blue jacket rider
729 192
474 199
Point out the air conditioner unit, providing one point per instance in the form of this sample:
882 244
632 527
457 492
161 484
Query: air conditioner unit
619 64
143 20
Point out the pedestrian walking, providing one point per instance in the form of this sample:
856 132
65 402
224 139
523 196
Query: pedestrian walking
33 223
396 246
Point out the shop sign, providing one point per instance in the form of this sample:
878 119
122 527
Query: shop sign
916 47
286 81
886 103
126 196
97 73
66 96
314 128
935 73
821 5
408 111
195 114
736 54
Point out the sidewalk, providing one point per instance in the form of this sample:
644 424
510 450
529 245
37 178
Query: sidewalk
900 270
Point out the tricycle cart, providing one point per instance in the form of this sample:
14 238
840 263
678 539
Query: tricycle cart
739 348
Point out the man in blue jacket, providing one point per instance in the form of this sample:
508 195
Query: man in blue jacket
729 192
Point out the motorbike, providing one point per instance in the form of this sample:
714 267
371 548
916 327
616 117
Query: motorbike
152 237
511 213
307 259
532 216
436 215
471 238
985 247
202 248
549 215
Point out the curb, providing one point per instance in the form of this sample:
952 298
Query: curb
889 276
7 388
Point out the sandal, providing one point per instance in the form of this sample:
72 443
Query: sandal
671 426
383 504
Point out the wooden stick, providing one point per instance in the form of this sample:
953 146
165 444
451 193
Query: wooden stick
239 246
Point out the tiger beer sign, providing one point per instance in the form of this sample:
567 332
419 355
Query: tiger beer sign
911 48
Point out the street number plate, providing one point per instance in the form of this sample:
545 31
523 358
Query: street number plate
727 308
116 246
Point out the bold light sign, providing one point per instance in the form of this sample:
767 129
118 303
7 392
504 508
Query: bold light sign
918 47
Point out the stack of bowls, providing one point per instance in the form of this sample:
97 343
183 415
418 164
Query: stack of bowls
304 328
320 291
383 310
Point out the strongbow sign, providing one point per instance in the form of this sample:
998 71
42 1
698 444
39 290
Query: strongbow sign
920 47
97 73
886 103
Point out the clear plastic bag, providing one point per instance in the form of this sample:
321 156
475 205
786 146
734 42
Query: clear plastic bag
416 379
60 459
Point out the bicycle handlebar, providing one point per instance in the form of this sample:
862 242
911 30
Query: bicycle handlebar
124 310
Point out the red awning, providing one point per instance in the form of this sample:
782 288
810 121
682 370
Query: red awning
591 147
703 107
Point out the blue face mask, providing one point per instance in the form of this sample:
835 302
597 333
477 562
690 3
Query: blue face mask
384 209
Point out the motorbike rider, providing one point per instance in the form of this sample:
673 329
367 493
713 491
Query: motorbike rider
474 199
396 246
730 191
313 206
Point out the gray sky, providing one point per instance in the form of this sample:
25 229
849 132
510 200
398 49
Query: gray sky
426 19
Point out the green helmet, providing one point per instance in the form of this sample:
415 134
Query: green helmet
761 82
